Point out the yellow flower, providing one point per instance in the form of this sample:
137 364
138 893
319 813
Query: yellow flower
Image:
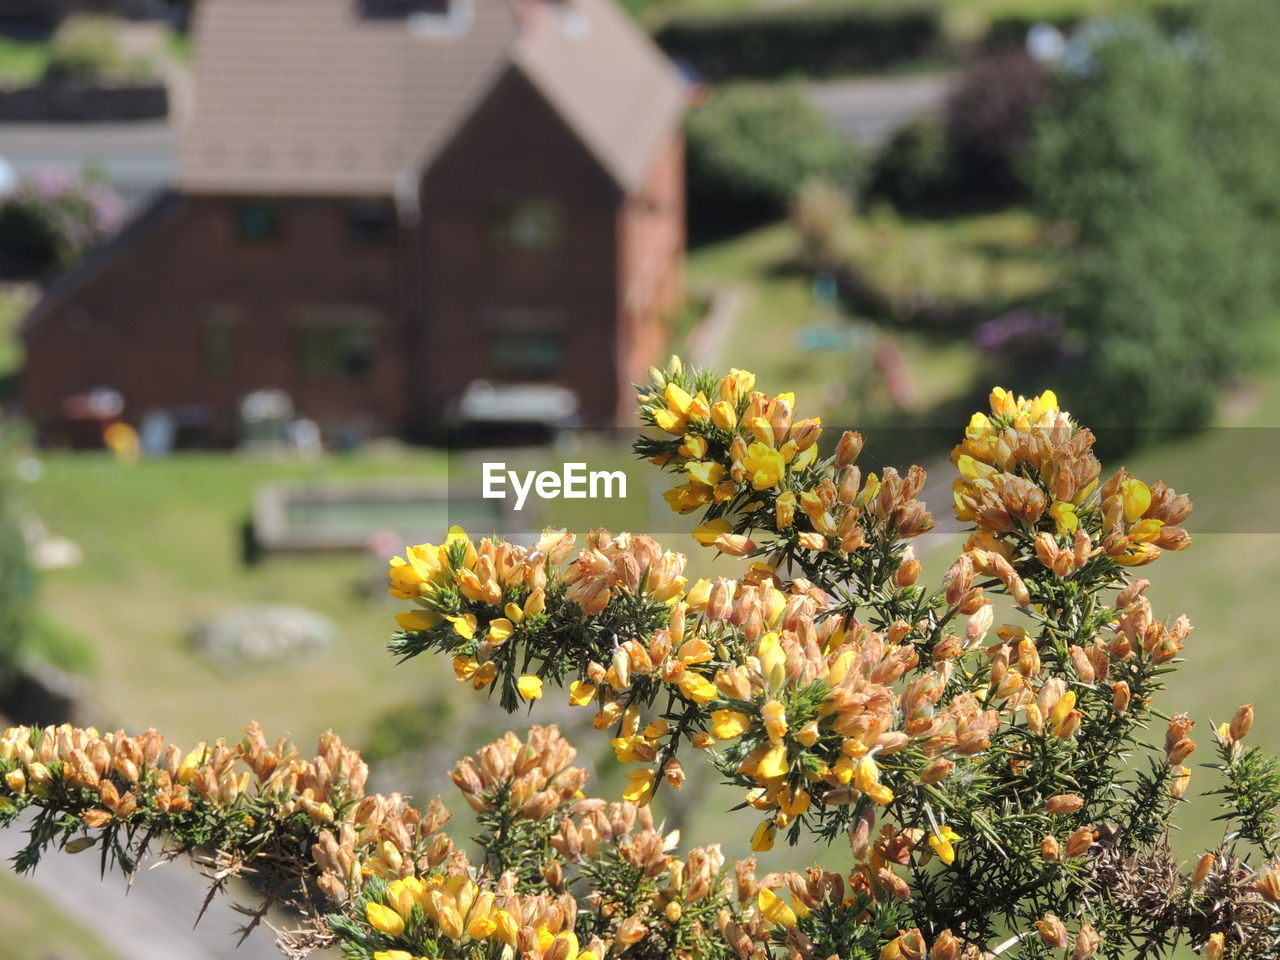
678 399
1064 515
506 927
880 794
707 533
723 415
1136 496
765 466
415 620
806 458
530 687
688 497
464 626
639 787
384 919
694 447
773 662
941 840
670 422
393 955
774 763
775 910
727 724
706 472
697 688
736 384
500 630
762 839
775 720
581 693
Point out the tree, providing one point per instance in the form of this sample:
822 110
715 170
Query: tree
1154 150
984 771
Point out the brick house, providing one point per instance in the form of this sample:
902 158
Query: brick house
380 202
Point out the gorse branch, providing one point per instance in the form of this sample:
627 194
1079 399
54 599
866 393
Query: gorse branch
986 750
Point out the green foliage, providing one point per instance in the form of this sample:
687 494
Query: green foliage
752 146
17 579
1157 154
812 39
86 49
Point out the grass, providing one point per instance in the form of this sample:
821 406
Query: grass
34 929
162 544
22 62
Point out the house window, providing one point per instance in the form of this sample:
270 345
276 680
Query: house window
533 225
527 354
337 344
219 340
257 221
406 8
370 221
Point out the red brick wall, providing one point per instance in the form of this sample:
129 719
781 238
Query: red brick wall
516 148
138 323
651 248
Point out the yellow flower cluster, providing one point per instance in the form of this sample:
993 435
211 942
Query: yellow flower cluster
756 467
1028 470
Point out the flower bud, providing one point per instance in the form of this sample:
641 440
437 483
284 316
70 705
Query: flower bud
1053 932
848 448
1242 723
1063 803
1078 843
1201 871
1049 848
1087 942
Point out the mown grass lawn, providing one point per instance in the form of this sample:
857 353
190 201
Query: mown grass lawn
162 548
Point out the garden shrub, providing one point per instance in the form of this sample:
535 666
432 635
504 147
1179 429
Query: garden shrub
17 579
913 169
54 218
751 147
978 753
85 49
989 119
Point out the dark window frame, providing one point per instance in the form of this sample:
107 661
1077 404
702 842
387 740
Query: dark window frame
541 220
370 221
319 330
268 230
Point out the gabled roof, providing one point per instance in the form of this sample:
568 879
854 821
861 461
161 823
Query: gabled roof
318 97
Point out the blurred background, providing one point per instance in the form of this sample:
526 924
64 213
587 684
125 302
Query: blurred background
267 269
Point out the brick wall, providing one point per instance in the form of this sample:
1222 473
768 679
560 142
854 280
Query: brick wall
138 319
480 289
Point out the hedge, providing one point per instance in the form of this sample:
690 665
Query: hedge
813 41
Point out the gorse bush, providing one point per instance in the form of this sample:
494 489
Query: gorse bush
980 755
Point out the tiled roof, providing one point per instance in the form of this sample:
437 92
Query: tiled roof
316 97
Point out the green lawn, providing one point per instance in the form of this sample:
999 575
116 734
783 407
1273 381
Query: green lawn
22 62
162 548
